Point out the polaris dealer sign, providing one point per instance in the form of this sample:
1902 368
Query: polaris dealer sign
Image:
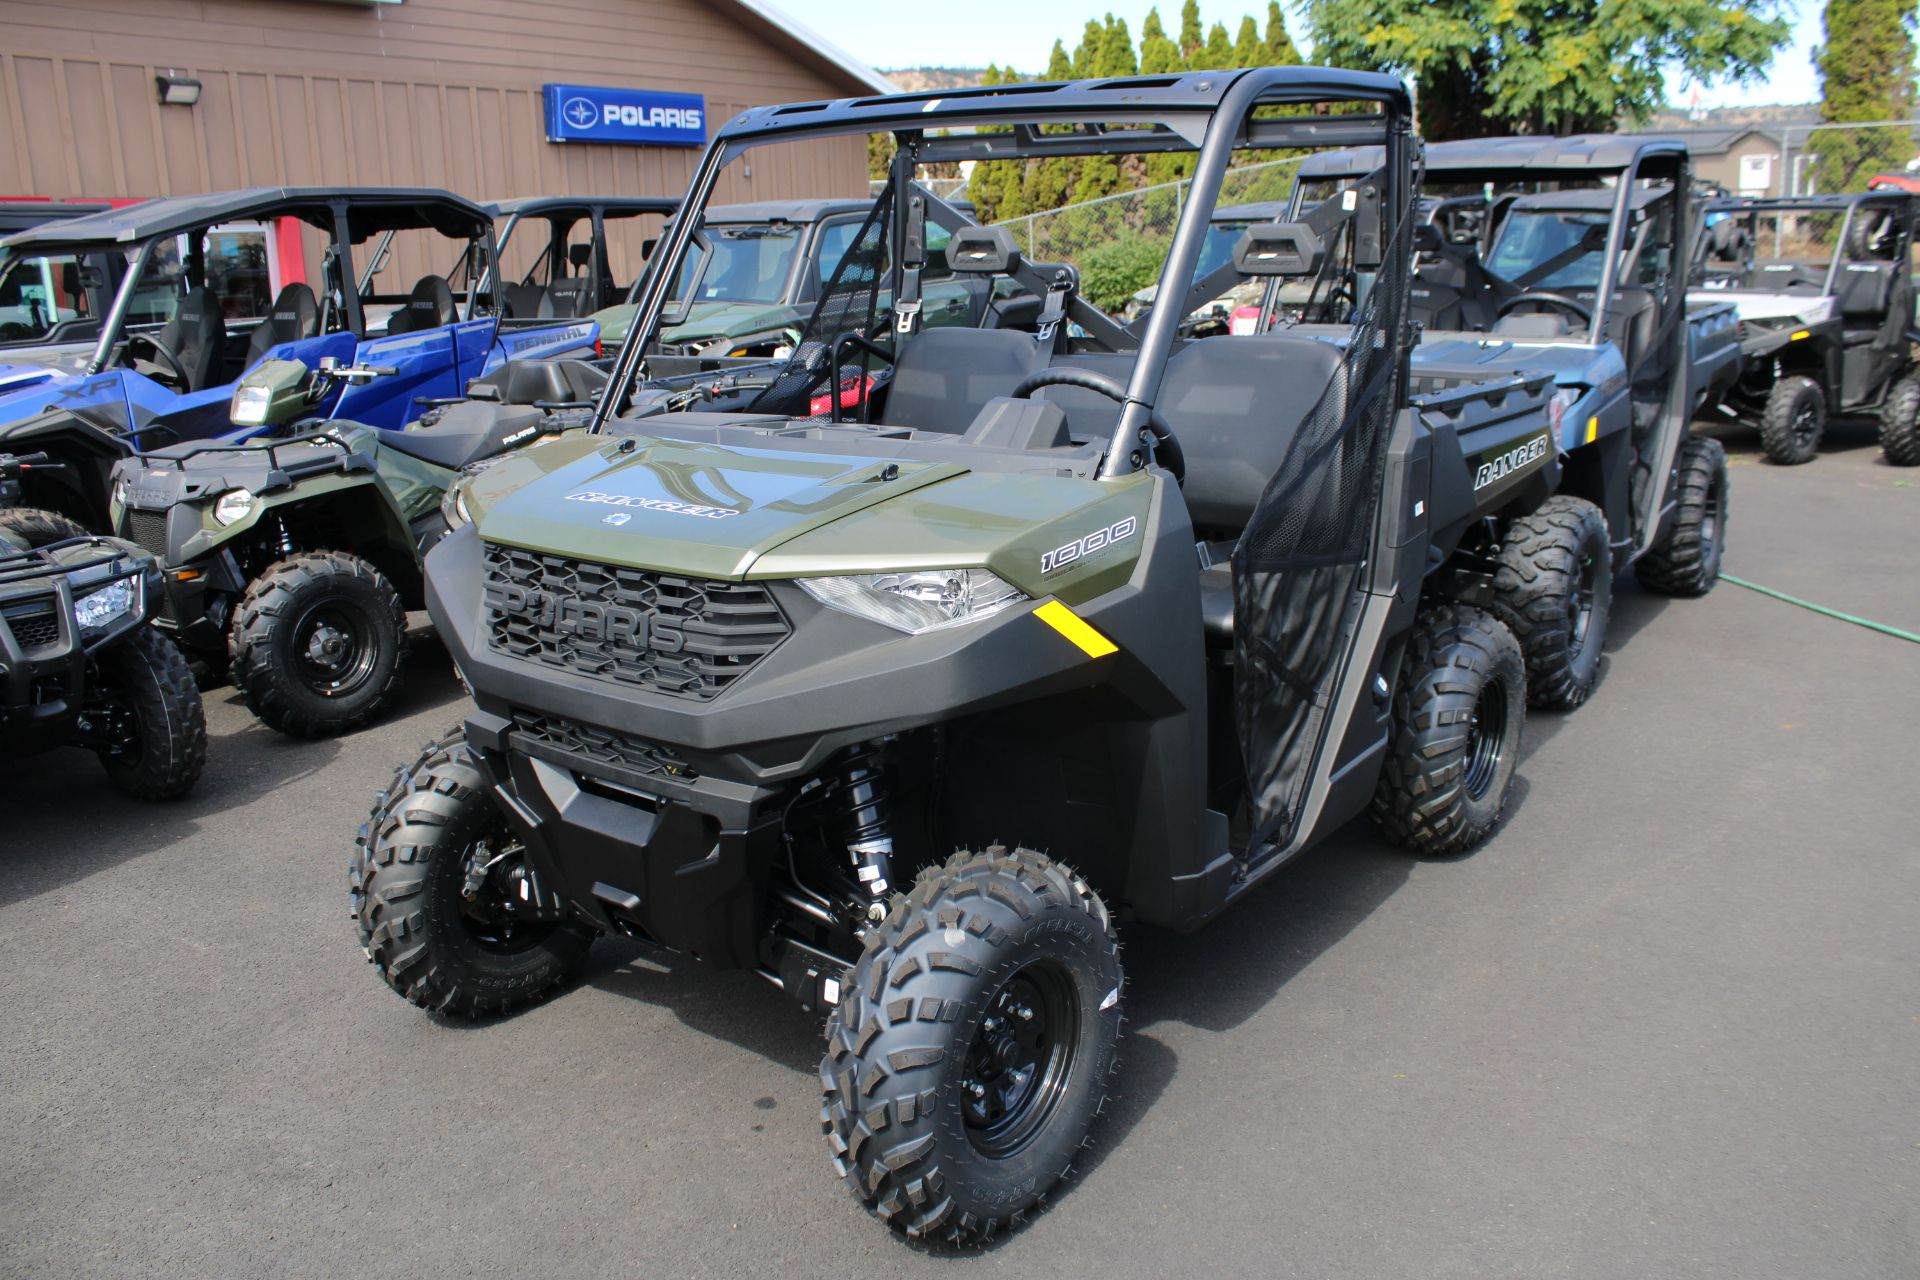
583 113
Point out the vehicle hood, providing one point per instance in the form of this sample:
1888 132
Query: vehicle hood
1477 356
703 510
18 377
1760 304
704 320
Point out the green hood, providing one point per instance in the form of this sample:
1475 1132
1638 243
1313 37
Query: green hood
704 320
729 512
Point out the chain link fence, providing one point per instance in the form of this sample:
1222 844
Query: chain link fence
1118 243
1836 158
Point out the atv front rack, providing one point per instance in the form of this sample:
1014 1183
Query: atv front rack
280 473
19 566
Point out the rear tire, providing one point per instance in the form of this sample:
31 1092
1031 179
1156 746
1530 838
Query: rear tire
455 955
973 1045
144 679
1686 561
1457 715
1900 423
318 642
1554 590
1794 421
37 528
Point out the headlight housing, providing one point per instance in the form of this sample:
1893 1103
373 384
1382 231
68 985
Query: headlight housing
100 608
917 601
231 506
251 405
453 506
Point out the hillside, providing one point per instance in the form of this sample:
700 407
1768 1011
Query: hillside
929 79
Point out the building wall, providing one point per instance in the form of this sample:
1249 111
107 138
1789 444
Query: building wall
1725 167
426 92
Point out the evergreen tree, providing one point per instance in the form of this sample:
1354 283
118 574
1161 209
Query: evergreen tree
1092 38
1279 45
1248 51
1158 55
1191 39
1866 73
1218 53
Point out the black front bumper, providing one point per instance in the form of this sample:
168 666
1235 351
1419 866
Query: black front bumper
41 684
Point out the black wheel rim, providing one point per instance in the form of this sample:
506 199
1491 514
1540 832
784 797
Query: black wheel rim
1486 739
1580 606
1806 425
1710 521
499 897
333 649
1017 1067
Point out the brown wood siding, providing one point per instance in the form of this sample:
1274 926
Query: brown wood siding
427 92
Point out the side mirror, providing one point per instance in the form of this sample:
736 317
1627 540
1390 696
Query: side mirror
276 391
1278 249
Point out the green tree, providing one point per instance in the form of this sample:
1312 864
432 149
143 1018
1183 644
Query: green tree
1866 73
1248 50
1279 45
1191 39
1545 66
1050 181
1159 55
1217 55
1092 39
880 149
1116 50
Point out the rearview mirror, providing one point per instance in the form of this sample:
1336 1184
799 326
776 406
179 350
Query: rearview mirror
1278 249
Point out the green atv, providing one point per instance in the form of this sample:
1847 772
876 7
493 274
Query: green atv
290 563
78 664
1072 624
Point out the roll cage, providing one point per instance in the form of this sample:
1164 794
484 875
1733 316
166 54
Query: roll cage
1853 210
560 216
1212 114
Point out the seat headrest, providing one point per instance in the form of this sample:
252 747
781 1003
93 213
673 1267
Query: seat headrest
429 306
983 250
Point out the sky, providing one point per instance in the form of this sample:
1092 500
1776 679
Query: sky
1021 33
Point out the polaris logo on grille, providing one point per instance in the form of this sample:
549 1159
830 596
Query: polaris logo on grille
1503 465
667 505
588 621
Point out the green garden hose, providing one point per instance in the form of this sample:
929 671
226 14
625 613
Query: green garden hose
1870 625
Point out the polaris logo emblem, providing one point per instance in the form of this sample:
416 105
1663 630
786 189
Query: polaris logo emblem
587 621
667 505
518 436
1513 460
1080 549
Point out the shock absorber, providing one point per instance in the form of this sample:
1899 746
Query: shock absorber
862 796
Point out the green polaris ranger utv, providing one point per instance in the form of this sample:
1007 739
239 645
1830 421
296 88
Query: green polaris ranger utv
291 562
907 705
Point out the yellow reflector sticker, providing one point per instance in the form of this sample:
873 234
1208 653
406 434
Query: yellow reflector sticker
1069 624
1593 429
1799 334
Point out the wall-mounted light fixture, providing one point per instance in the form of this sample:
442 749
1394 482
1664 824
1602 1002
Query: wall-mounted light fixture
177 91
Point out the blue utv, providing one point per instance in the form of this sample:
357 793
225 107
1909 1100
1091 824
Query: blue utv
205 293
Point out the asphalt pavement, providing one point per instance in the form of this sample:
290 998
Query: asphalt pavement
1665 1023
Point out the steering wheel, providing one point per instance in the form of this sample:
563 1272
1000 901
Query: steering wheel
1166 449
178 371
1578 310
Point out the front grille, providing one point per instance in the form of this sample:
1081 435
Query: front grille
149 529
686 637
34 626
600 745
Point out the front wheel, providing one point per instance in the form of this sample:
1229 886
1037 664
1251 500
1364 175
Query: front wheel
1457 715
1794 421
1686 559
150 717
1900 423
973 1046
1554 590
317 644
446 905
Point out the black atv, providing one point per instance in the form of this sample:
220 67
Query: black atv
1824 288
79 666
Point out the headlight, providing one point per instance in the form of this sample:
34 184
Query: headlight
251 406
106 605
917 602
233 505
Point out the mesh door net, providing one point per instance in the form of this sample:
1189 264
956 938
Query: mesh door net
849 303
1297 567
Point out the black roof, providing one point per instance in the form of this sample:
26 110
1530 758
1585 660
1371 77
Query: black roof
18 215
371 211
1838 201
1256 211
1593 199
1117 100
579 206
785 210
1523 158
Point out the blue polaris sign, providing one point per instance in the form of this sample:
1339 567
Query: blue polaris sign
584 113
